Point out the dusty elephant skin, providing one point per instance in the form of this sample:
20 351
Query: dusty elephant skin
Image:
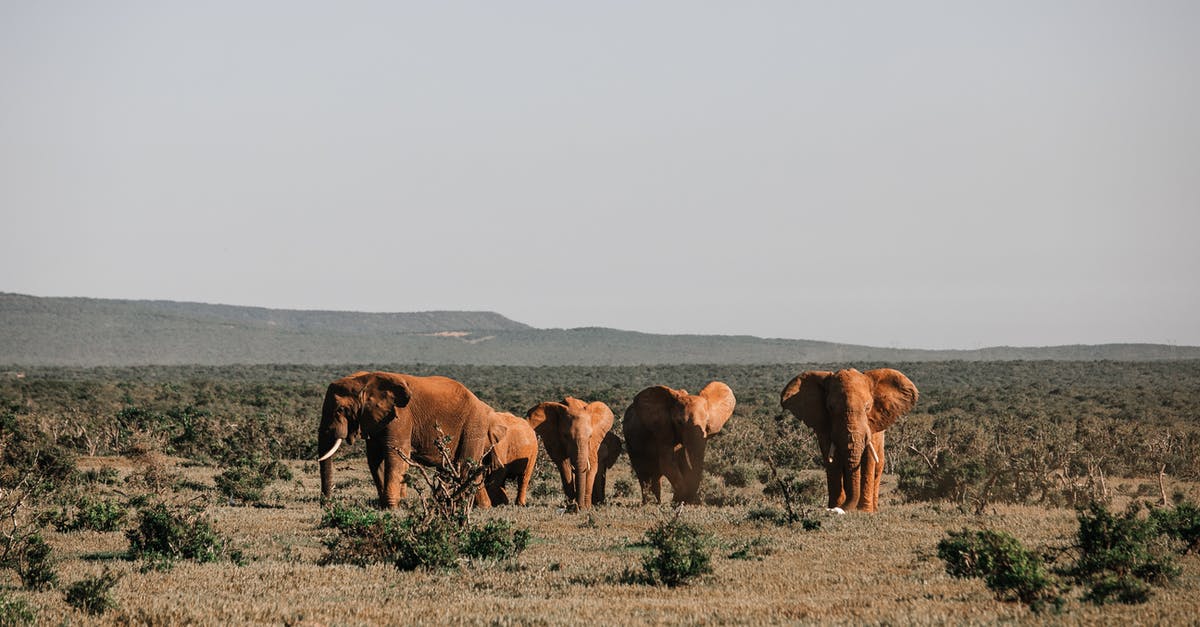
849 411
580 443
402 414
666 432
513 458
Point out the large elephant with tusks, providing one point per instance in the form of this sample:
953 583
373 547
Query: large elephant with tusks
402 416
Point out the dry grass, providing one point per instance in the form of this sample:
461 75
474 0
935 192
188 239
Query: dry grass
856 569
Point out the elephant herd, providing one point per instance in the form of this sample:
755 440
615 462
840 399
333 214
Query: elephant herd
402 418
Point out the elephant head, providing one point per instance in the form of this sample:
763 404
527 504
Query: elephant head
668 430
339 422
573 432
848 411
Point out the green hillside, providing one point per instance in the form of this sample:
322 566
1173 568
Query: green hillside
95 332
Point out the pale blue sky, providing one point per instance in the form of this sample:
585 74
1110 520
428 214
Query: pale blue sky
919 174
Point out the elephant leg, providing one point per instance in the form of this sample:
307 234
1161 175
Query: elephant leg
393 480
496 492
525 477
598 486
567 473
876 477
375 455
667 464
872 470
833 483
647 475
586 483
833 475
651 487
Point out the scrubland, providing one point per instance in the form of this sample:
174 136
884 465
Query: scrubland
1014 446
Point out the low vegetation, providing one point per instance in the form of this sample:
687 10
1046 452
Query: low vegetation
436 533
1012 489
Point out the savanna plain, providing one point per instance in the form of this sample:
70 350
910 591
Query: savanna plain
1033 450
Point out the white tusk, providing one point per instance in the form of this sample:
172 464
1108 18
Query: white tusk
336 446
873 453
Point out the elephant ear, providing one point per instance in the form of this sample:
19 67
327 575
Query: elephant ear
544 417
390 387
601 418
601 415
720 405
804 396
500 452
496 431
609 451
895 395
660 399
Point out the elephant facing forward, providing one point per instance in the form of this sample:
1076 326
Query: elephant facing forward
848 411
666 433
578 439
402 416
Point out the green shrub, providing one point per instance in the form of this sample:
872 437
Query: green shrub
808 490
371 537
29 556
681 553
15 611
1009 570
31 457
1181 522
366 536
348 518
766 514
242 483
1114 551
495 540
166 534
1121 588
248 477
431 544
93 594
738 476
92 514
103 476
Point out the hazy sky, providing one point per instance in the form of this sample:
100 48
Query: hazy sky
919 174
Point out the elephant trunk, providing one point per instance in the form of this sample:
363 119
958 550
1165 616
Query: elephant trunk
328 443
694 444
583 478
852 472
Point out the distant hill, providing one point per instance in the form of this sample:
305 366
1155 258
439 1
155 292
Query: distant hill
98 332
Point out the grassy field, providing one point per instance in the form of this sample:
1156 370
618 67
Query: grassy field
883 568
855 568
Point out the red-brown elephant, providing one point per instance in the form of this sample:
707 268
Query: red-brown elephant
512 459
666 433
849 411
578 440
399 413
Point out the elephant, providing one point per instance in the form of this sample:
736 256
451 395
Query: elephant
606 456
666 432
578 439
512 458
403 416
849 411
